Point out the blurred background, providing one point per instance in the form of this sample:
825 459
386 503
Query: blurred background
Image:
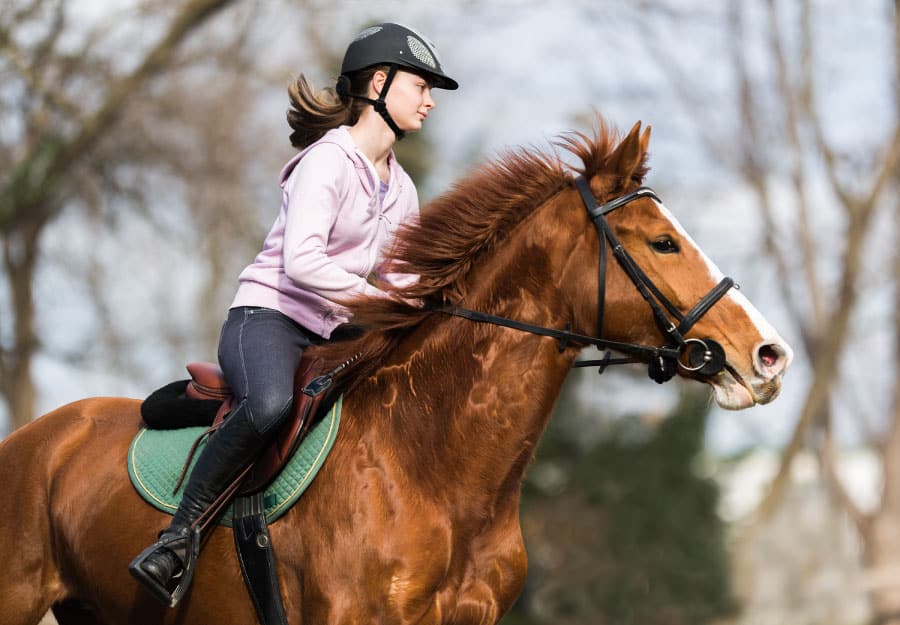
140 143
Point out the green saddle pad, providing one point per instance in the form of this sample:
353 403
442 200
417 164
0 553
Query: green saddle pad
156 458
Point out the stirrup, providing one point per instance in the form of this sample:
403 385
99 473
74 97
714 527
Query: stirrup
192 551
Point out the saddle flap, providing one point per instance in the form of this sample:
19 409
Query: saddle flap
291 433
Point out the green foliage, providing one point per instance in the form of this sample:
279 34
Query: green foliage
626 531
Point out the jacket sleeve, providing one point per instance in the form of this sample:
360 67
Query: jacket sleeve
314 192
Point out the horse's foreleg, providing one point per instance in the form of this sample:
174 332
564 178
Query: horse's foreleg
495 577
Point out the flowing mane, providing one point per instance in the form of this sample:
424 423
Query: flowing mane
454 232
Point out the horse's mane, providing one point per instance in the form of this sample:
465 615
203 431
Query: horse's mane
453 233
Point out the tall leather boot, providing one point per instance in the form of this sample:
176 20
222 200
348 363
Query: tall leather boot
165 568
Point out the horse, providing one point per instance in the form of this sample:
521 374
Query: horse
414 517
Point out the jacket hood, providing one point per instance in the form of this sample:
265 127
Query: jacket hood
341 137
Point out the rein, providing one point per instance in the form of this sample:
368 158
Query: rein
704 356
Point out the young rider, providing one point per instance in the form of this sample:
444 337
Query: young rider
344 196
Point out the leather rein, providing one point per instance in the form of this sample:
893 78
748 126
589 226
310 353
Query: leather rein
703 356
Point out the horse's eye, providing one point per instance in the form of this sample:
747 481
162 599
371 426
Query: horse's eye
664 245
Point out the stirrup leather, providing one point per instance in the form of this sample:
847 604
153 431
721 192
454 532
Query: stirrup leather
191 552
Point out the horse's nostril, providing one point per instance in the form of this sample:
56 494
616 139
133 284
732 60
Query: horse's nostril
768 355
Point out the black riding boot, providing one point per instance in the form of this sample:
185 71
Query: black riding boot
166 567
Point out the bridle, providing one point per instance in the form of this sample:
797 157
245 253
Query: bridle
701 356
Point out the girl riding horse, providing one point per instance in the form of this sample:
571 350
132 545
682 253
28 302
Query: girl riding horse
345 196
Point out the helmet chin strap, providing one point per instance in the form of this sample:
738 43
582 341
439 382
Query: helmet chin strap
380 106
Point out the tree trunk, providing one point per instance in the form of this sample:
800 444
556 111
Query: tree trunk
881 536
20 250
882 561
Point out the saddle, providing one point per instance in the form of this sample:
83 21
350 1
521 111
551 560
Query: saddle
251 534
208 383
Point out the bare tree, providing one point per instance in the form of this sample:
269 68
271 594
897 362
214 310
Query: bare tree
89 127
782 142
826 322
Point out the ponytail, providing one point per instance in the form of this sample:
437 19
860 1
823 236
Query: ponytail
313 113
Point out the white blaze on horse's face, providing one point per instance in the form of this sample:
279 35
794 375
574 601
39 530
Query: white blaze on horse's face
757 356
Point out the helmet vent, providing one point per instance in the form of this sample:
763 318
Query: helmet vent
420 51
368 32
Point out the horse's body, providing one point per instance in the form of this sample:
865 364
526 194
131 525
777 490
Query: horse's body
414 517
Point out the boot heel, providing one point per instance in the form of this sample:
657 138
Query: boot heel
169 593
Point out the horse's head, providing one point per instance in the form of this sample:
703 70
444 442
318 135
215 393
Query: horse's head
514 245
680 280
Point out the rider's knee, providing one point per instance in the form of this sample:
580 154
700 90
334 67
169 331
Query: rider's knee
268 411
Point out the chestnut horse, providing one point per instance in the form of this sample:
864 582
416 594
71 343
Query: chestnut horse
414 517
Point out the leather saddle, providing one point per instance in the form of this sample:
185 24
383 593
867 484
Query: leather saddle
208 383
206 390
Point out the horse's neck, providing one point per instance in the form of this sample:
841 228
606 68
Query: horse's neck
464 404
469 414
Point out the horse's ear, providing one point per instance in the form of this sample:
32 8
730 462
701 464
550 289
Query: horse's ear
627 161
645 141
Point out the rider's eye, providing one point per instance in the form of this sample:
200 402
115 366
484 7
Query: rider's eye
664 245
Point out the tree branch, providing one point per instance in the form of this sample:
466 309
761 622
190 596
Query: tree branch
41 174
859 211
798 166
829 463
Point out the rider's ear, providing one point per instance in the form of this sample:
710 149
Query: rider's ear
377 83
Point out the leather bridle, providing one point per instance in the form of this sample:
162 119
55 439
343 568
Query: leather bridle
701 356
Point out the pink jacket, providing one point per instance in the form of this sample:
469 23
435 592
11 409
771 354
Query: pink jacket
329 236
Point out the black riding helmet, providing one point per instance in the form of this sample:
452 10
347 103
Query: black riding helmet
399 47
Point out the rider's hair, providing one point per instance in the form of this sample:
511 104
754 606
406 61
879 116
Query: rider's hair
313 113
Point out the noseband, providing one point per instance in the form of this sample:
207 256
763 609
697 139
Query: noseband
702 356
